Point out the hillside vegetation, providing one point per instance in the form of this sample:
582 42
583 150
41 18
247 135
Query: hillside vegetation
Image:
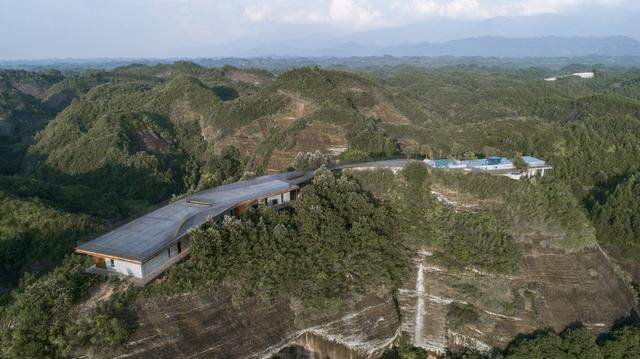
82 152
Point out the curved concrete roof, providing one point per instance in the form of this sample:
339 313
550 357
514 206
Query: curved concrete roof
140 239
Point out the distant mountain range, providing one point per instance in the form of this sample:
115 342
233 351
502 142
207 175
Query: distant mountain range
489 46
608 33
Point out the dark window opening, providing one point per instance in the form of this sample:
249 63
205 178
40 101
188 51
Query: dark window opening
112 263
274 201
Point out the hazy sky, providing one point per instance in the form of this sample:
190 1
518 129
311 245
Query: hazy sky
159 28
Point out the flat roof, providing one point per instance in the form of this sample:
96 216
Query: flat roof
142 238
489 161
532 160
375 164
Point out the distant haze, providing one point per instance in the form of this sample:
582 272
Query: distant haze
37 29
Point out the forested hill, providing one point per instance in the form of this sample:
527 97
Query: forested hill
83 152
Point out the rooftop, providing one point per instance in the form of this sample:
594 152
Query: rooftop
490 161
143 237
532 161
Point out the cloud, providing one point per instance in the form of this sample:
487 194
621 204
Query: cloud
257 12
480 9
350 13
374 13
357 12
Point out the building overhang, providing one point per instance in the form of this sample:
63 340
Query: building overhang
168 244
99 254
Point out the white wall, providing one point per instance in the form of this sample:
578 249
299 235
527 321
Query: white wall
286 197
123 267
584 75
502 166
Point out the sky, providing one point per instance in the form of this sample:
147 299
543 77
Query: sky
36 29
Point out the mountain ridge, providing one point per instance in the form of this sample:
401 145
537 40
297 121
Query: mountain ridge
486 46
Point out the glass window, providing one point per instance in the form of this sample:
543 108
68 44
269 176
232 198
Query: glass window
112 263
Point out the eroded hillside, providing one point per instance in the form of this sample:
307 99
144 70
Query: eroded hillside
455 261
468 297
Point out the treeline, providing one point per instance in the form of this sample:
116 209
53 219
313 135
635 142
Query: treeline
124 142
478 240
49 317
131 138
34 236
334 243
623 342
545 203
572 343
617 218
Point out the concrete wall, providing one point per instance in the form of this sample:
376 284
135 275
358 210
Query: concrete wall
123 267
282 198
155 262
162 257
270 199
496 167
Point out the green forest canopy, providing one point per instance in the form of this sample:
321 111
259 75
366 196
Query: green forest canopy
87 150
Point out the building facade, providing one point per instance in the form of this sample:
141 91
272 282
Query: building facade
494 165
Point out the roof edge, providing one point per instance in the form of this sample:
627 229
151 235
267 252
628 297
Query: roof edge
99 254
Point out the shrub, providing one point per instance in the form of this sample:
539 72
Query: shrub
305 161
459 315
335 242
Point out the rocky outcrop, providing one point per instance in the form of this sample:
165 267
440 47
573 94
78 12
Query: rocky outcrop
211 325
552 289
314 346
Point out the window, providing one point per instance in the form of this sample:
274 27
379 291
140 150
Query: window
112 263
274 202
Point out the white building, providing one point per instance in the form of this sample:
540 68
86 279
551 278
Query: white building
494 165
452 164
490 164
535 166
582 75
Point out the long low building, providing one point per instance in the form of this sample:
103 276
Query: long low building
490 164
145 247
494 165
